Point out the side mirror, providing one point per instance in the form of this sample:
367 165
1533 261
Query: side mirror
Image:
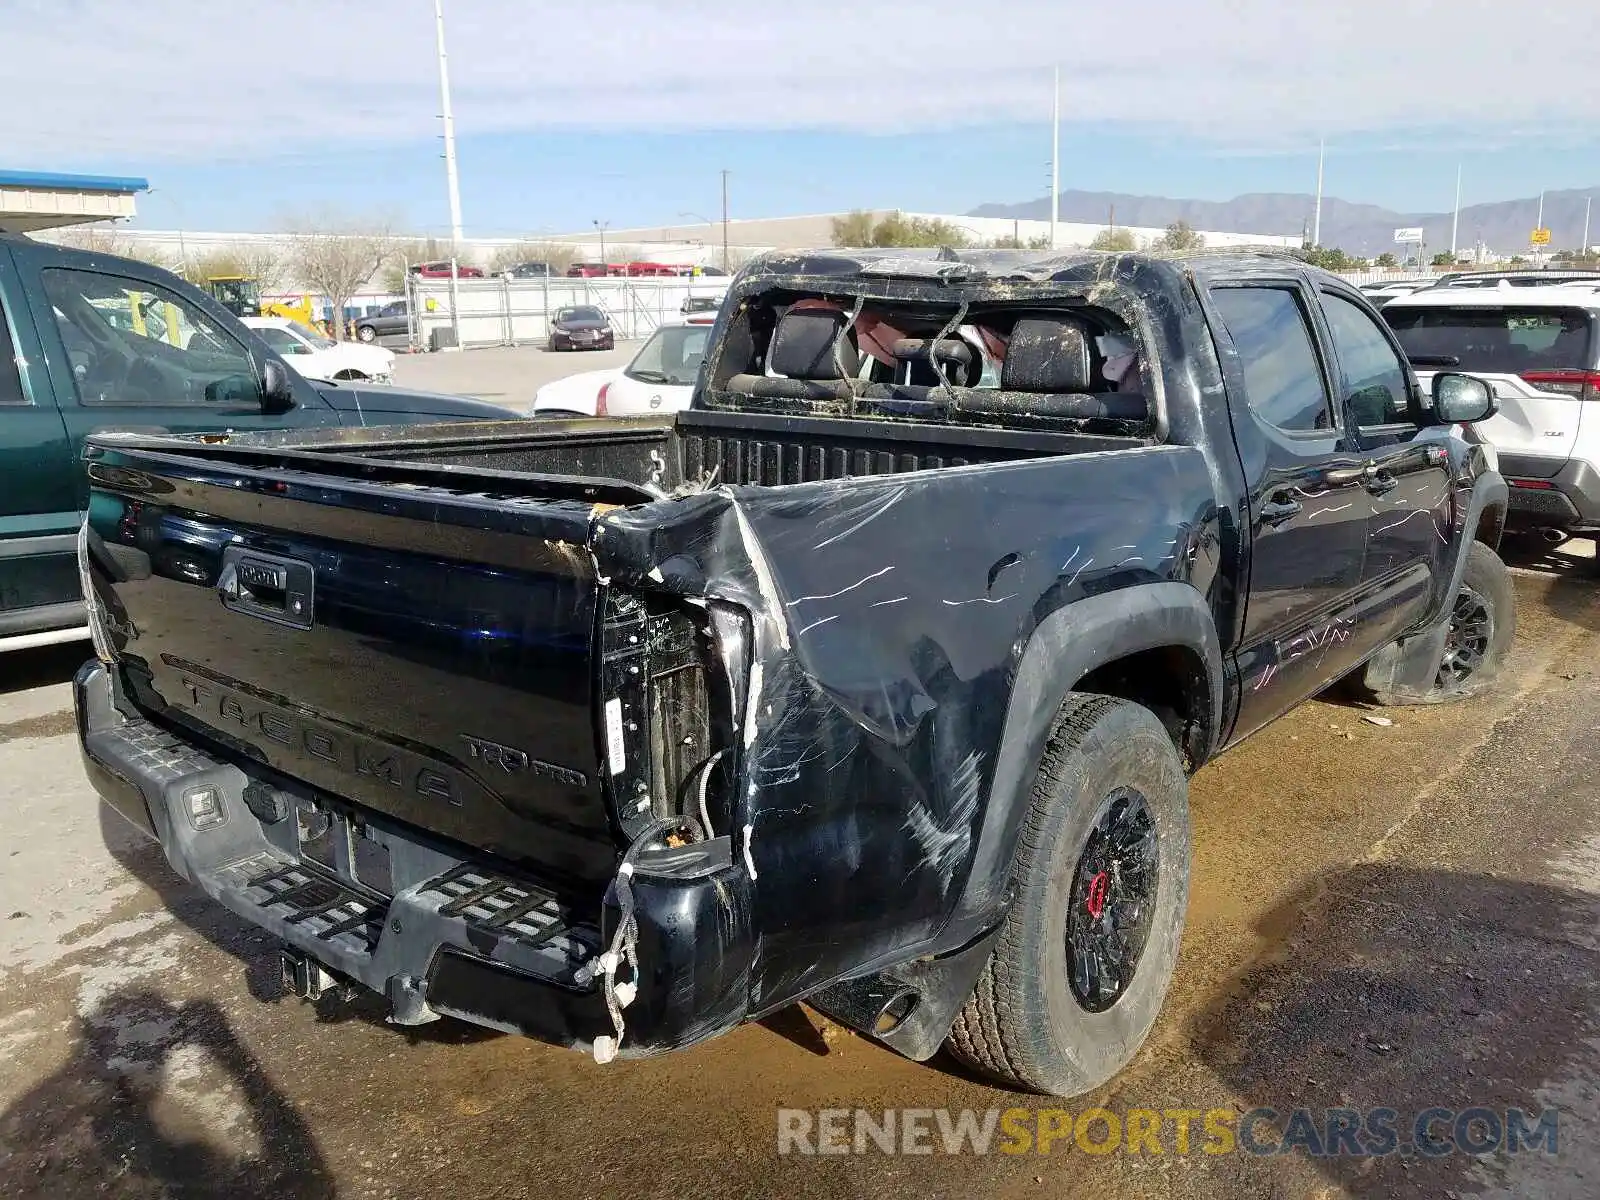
277 389
1463 399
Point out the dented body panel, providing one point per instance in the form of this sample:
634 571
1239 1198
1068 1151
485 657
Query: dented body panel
818 629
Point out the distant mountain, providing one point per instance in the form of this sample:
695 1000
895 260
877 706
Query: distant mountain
1364 229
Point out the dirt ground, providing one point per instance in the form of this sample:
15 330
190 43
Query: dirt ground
1397 916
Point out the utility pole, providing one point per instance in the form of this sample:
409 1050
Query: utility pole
1055 155
1316 212
1538 223
725 219
1455 218
1584 249
601 226
450 176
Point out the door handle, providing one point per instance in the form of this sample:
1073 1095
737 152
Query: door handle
1377 480
1278 508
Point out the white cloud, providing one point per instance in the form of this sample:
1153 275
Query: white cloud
185 80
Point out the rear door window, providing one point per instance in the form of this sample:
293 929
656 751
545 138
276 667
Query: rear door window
1282 374
1503 339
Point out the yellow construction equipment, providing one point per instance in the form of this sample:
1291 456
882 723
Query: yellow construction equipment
241 296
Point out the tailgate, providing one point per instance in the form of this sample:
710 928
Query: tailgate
418 651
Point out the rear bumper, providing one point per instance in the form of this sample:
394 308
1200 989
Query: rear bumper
1564 497
459 936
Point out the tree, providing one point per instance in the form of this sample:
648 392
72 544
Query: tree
337 263
853 229
1179 238
1114 239
107 239
858 228
559 255
1444 259
263 263
1385 260
1012 242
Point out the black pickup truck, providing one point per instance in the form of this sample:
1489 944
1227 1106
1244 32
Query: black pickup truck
873 679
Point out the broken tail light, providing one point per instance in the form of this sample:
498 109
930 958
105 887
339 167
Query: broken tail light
1580 385
667 703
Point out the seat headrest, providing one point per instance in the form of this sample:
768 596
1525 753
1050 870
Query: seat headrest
1047 354
803 345
961 366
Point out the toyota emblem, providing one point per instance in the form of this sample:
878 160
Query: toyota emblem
655 401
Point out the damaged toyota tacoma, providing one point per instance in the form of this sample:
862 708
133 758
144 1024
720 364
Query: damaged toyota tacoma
871 680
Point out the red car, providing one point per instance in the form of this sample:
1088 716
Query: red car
441 270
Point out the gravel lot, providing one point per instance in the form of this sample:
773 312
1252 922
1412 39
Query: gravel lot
507 375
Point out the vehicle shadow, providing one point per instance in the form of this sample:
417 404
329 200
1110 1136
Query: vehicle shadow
255 949
157 1098
23 670
1406 989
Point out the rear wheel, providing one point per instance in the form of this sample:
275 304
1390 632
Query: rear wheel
348 376
1084 957
1483 624
366 333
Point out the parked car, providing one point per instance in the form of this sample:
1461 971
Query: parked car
392 320
528 270
1539 277
698 305
659 379
90 341
441 270
1381 294
581 327
318 357
1540 349
830 686
590 270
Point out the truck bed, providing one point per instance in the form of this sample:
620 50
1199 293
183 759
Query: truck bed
655 456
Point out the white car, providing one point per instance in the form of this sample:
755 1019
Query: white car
1539 347
317 357
659 379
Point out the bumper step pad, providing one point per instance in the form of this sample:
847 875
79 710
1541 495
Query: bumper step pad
323 905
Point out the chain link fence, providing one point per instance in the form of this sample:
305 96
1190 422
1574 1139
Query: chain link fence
513 312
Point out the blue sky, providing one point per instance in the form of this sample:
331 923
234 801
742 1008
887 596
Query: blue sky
626 111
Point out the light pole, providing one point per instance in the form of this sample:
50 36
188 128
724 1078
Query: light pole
451 177
1316 213
183 249
602 226
1455 217
1584 249
1055 155
725 220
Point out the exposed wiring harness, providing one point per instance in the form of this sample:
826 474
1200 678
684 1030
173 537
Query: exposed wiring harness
625 941
705 778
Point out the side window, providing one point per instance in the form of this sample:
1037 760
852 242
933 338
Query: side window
132 342
281 340
10 374
1374 378
1282 375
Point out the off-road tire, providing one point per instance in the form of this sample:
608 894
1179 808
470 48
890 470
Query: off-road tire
1487 580
1023 1024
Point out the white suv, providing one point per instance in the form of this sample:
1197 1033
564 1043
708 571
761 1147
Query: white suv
1540 349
